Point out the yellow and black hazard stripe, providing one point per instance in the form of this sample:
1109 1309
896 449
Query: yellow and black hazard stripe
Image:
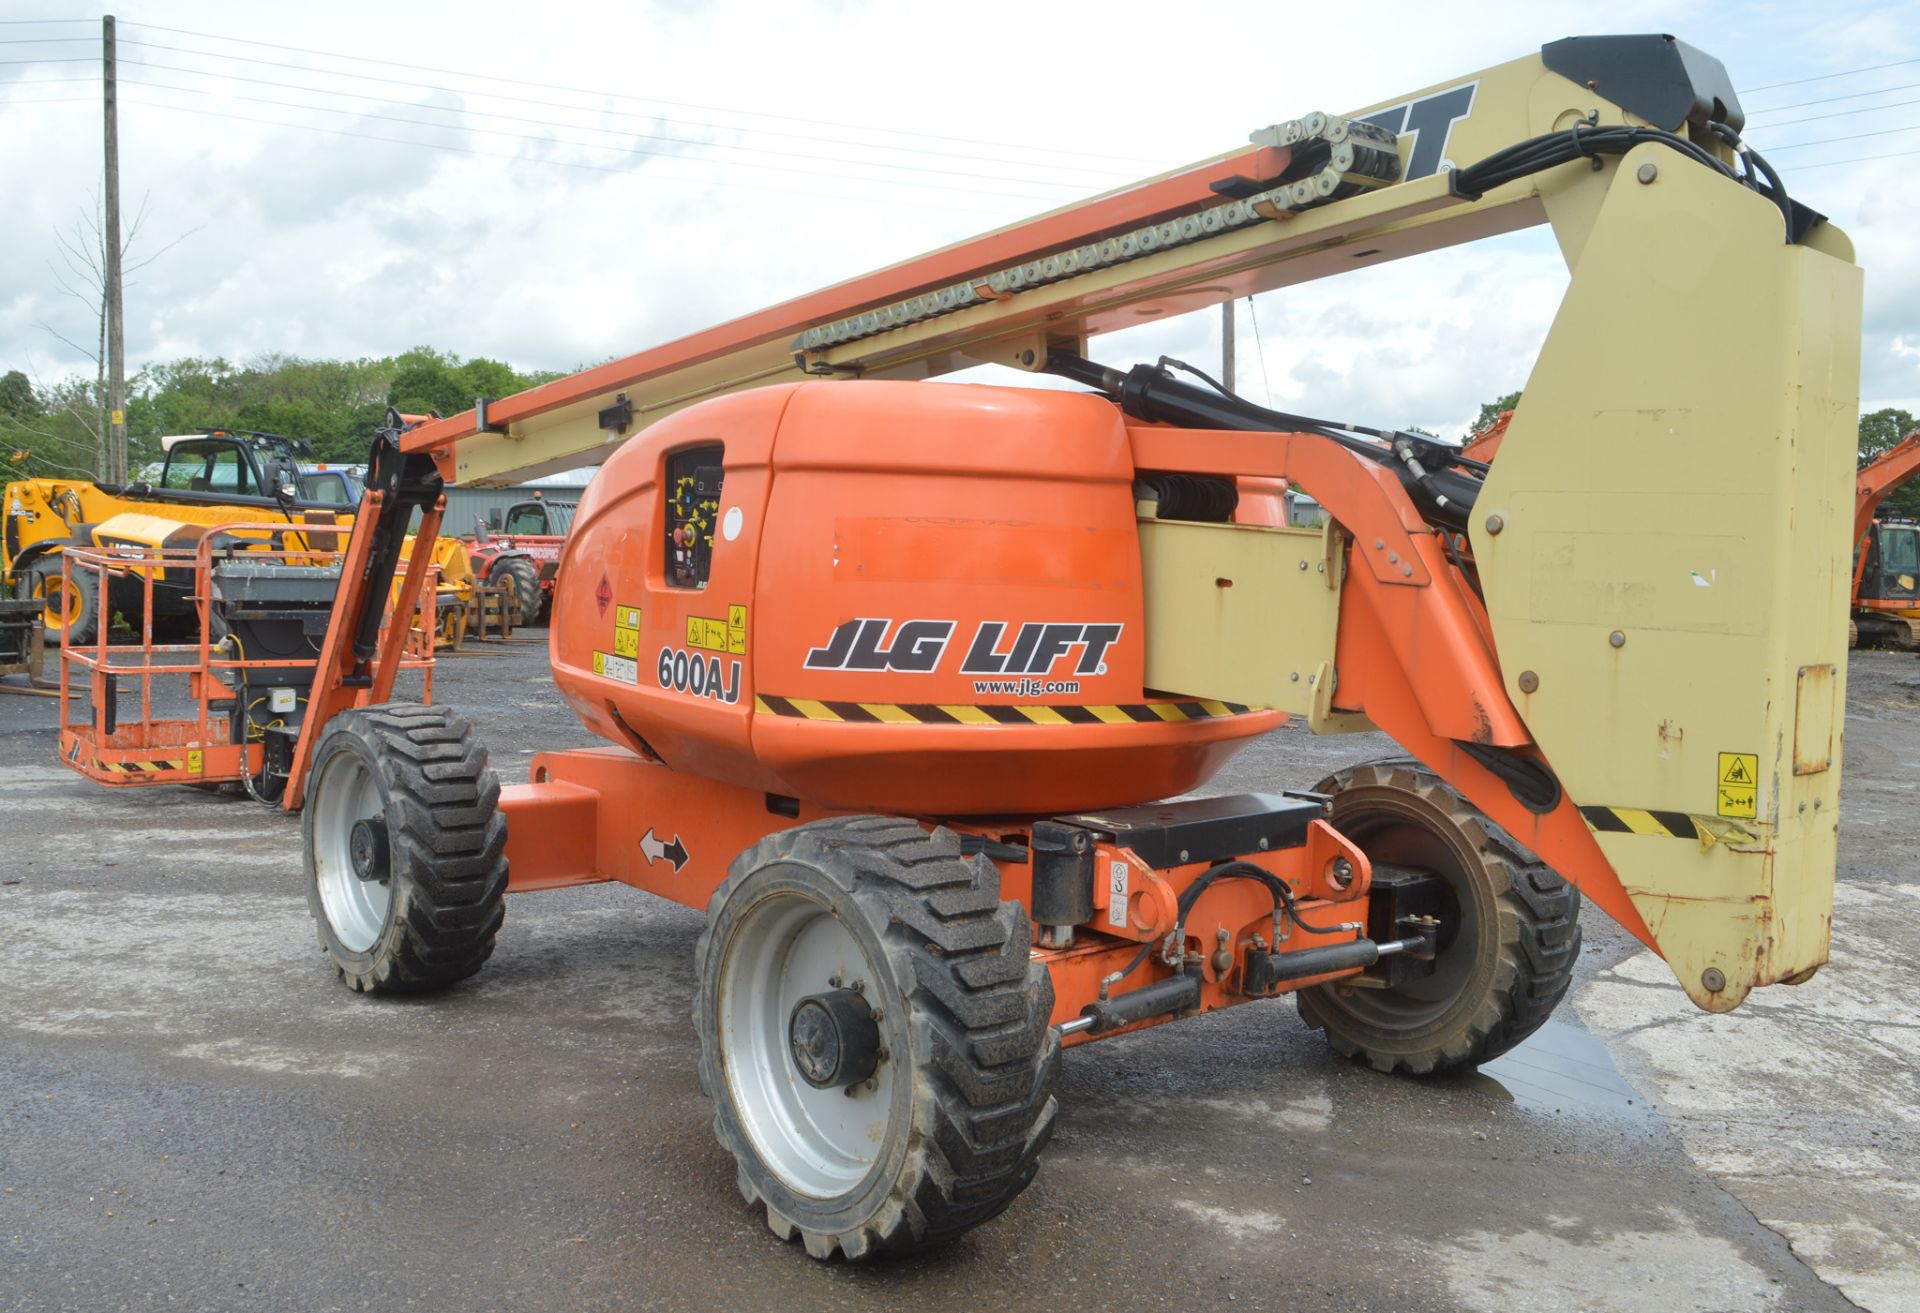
927 713
1634 820
139 767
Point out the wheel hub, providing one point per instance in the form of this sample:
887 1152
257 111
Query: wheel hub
834 1039
368 849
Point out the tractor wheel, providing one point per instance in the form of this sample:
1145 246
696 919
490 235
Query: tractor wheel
406 864
874 1036
1507 943
526 585
71 613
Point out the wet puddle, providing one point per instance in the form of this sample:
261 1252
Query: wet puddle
1560 1068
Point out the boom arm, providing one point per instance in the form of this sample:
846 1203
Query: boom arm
1628 652
1880 478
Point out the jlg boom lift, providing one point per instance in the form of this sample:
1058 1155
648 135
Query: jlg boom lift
894 676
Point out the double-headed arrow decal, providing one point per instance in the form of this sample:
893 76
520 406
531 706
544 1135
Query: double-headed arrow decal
653 850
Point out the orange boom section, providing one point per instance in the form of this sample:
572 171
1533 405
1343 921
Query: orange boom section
955 605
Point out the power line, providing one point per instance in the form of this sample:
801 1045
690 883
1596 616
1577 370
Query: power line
568 164
1830 141
1841 114
1827 77
1828 164
644 100
1829 100
641 136
755 167
43 40
42 22
78 59
386 81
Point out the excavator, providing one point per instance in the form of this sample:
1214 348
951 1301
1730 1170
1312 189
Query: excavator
911 686
1886 562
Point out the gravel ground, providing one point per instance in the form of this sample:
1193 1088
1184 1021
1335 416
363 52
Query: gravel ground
193 1114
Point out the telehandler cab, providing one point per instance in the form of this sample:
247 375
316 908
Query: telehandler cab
895 677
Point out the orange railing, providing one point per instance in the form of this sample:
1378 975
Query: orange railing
200 747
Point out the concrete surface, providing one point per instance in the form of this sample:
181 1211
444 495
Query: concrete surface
194 1115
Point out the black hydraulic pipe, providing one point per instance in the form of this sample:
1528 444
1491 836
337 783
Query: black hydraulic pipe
1443 495
1356 955
1174 994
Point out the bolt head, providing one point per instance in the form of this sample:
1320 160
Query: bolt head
1713 980
1495 523
1647 172
1529 682
1617 638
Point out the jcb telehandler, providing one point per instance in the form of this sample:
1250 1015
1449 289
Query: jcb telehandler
895 677
206 478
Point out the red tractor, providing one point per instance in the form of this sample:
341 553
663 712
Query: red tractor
523 546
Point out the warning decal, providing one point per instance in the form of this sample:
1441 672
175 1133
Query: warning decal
705 633
626 631
616 667
1739 786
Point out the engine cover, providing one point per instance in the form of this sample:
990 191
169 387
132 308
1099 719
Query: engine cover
902 597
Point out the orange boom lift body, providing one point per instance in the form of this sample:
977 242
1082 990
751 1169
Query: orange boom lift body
895 677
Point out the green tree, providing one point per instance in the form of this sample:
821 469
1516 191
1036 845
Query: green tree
1492 410
16 397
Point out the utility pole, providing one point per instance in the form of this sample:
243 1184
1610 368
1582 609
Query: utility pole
116 471
1226 345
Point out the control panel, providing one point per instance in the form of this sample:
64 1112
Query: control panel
693 508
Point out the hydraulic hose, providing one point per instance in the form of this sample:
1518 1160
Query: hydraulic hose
1443 494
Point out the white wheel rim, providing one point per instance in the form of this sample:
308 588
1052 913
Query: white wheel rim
356 909
819 1143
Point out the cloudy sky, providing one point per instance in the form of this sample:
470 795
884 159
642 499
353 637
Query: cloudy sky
557 184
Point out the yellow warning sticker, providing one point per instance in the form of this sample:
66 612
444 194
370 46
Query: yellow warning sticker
708 634
626 642
1739 789
196 761
616 667
737 630
626 617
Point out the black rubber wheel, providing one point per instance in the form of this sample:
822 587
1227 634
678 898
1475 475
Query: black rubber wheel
405 849
946 1129
526 584
1507 944
66 620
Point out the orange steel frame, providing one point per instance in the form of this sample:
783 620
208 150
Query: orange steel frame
146 750
1414 648
574 824
1416 657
